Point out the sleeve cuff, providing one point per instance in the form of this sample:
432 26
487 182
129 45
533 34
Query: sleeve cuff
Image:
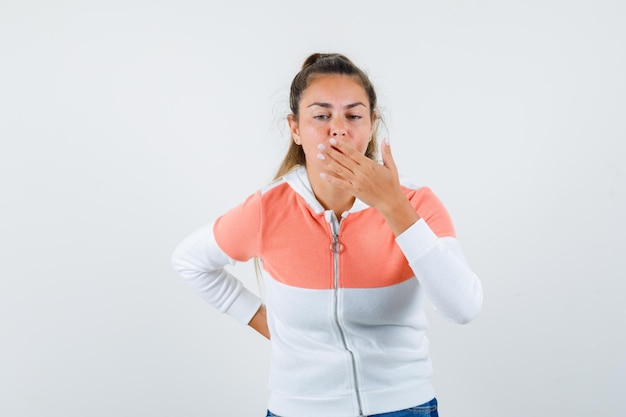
245 306
416 239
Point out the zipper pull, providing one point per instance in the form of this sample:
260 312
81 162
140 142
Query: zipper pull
336 246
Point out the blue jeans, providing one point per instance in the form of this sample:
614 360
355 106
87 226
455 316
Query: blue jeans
428 409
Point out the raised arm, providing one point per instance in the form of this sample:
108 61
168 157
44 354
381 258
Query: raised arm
422 227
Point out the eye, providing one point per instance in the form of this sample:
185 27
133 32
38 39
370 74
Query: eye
321 117
354 117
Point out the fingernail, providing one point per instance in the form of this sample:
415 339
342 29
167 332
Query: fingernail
387 142
333 141
320 156
321 147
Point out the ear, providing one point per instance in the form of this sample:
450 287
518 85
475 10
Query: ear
293 127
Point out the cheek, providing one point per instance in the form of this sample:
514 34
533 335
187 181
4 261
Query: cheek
312 129
313 135
363 148
364 139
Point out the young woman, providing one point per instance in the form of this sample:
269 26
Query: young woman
348 254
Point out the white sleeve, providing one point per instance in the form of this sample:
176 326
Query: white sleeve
201 262
443 272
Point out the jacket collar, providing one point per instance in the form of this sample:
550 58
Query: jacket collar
298 180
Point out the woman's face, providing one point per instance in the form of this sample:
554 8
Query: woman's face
332 106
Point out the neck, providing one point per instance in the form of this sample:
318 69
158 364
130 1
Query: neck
329 196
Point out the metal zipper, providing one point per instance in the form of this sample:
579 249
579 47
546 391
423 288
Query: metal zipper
337 248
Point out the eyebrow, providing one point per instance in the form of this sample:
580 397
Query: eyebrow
328 105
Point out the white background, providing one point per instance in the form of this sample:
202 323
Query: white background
125 125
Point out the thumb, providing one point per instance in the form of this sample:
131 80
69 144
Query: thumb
386 154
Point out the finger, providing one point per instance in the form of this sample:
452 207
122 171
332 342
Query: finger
336 161
337 169
332 165
340 164
342 151
336 181
387 156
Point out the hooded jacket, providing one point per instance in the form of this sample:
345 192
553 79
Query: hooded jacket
345 297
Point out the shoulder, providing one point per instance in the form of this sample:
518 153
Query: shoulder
429 207
417 193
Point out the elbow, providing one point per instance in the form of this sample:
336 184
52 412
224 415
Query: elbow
470 312
467 317
180 259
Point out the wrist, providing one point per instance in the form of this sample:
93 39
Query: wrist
399 214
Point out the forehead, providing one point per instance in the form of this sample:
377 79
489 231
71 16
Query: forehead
334 89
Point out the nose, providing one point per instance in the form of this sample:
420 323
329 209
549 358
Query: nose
337 129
